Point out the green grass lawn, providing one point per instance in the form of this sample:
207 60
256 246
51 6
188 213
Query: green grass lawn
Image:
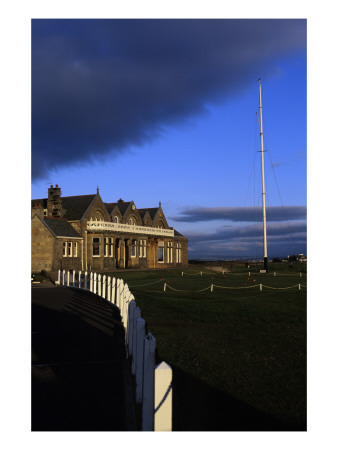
238 355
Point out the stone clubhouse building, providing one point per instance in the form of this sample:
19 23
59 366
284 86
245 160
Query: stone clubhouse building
84 233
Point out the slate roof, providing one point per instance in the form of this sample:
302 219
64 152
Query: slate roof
60 227
123 206
73 208
176 233
151 211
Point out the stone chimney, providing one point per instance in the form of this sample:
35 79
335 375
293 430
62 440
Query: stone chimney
54 202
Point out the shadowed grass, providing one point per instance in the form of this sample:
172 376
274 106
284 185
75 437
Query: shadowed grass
244 346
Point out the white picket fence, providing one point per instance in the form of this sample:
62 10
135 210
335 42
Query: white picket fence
153 383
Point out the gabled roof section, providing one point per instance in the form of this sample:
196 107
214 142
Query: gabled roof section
60 227
152 212
176 233
122 206
74 208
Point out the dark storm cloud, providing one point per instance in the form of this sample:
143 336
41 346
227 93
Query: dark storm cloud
241 214
99 86
247 241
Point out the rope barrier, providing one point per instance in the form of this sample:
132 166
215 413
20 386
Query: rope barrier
192 274
148 284
289 287
232 287
187 290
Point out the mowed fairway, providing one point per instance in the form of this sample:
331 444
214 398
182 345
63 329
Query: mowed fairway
238 355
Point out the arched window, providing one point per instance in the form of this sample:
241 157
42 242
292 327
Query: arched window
116 219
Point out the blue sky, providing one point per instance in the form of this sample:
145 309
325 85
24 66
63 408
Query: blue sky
166 111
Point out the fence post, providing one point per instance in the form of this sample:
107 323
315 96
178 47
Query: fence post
182 274
212 288
99 286
163 398
137 315
59 277
68 278
91 282
73 278
148 383
274 274
63 277
249 273
164 287
201 272
104 287
260 287
95 282
117 298
108 288
113 289
140 333
80 273
85 280
299 286
124 299
130 326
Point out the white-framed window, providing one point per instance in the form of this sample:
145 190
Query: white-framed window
133 248
75 249
96 246
178 253
143 248
170 252
108 247
70 247
161 252
116 219
64 249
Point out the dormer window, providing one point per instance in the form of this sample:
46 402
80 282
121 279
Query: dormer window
116 219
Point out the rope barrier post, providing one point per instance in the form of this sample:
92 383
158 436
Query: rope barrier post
163 398
148 383
260 287
164 287
80 273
